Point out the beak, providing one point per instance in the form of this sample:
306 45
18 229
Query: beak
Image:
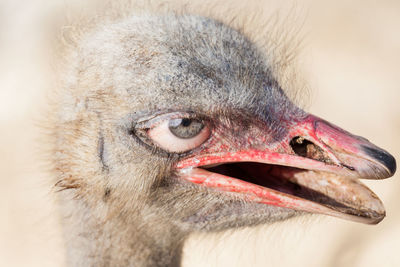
313 167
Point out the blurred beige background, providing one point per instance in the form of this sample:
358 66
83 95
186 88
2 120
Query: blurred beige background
351 60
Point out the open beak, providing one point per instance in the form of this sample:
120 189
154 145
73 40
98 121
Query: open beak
314 167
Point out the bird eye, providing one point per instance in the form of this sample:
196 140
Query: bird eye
179 134
185 128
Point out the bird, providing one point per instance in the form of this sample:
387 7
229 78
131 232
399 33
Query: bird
166 125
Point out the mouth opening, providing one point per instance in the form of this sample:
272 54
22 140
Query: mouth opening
338 194
275 177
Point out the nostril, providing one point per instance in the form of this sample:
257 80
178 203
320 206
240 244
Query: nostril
299 146
307 149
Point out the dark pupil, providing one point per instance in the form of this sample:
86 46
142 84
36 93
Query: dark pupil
186 122
185 128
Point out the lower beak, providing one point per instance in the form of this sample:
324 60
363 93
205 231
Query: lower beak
315 168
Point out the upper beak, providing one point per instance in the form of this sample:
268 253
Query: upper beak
323 160
337 147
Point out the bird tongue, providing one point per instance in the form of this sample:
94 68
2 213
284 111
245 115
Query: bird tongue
315 169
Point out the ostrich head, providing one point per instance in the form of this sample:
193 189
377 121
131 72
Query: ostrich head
174 124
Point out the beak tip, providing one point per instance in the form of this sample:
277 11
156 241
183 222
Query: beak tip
378 219
387 160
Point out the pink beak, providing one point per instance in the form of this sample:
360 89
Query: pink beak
314 167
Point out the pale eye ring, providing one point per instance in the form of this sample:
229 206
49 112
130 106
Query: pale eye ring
179 134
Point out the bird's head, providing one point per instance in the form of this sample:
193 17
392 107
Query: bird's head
183 119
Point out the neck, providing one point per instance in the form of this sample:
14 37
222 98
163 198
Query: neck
102 236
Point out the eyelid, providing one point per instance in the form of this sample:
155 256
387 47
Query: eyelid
165 139
155 131
153 121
